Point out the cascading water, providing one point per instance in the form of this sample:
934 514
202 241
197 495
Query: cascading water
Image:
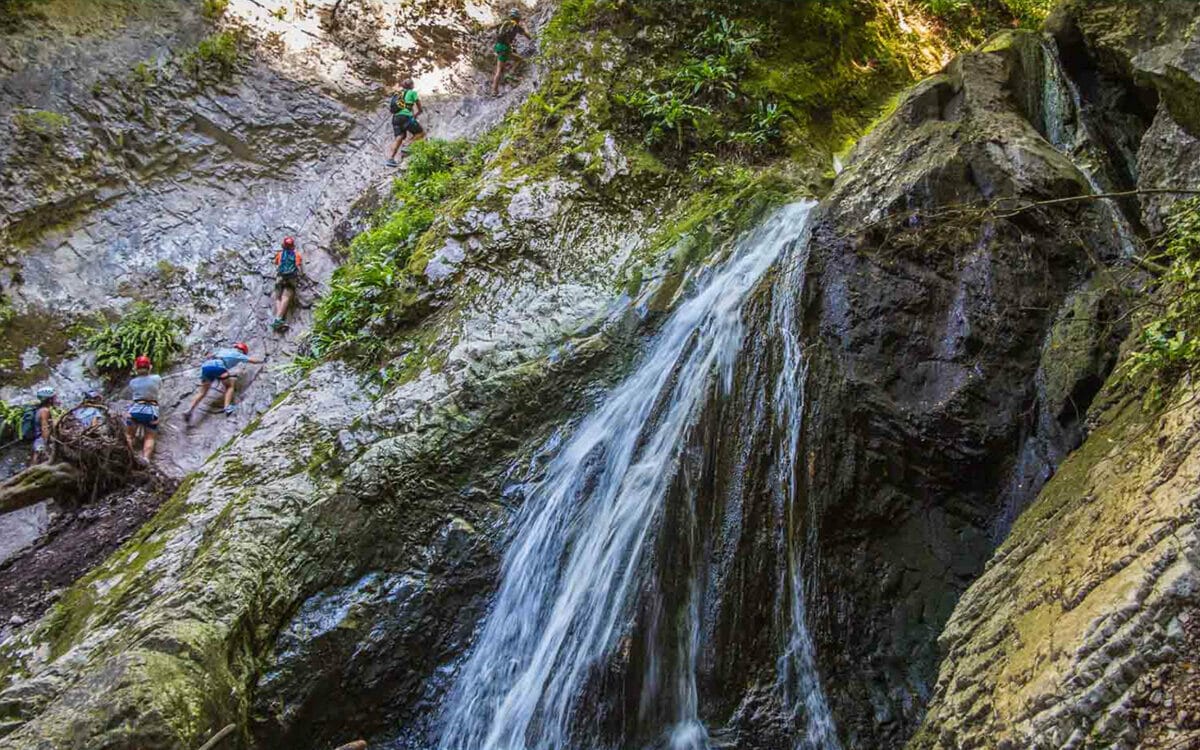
799 680
1067 131
579 554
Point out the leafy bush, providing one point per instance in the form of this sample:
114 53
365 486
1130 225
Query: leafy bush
1169 345
142 330
375 283
215 57
213 9
701 101
1028 13
10 420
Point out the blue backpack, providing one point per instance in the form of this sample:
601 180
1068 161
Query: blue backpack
287 263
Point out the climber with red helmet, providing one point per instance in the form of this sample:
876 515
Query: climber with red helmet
143 413
216 369
289 265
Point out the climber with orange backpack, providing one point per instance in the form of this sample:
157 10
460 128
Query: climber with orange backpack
289 265
143 413
216 369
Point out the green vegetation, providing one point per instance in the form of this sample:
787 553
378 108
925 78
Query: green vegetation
40 122
1169 344
10 420
704 102
702 99
215 57
377 284
974 15
142 330
13 13
213 10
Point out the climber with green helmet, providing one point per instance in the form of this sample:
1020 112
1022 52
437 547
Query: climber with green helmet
507 33
42 416
406 107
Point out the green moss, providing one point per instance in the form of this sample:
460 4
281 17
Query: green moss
119 577
48 333
40 122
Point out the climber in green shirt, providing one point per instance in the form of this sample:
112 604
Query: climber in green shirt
506 34
405 107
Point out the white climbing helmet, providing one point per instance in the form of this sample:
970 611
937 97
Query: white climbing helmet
45 393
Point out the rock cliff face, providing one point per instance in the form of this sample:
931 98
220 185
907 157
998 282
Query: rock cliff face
1081 631
891 395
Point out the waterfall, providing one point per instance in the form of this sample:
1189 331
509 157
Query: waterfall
579 554
1065 128
798 679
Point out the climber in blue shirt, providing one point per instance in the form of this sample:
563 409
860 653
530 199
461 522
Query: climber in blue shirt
216 369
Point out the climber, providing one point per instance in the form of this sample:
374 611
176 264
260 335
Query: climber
216 368
289 265
406 107
91 411
506 34
143 413
42 416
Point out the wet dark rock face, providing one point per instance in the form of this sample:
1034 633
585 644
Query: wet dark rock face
927 331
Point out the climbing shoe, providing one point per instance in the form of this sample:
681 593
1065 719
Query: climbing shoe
187 418
231 410
392 163
277 324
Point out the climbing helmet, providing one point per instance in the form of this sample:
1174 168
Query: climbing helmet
242 347
45 393
142 362
289 243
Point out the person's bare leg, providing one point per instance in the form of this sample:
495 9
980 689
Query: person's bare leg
228 392
496 78
130 434
285 301
199 396
148 444
397 144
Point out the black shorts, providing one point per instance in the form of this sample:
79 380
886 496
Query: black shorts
402 124
290 281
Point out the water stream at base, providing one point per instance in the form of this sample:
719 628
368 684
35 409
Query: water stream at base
578 558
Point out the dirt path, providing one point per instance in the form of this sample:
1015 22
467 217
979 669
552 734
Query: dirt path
76 541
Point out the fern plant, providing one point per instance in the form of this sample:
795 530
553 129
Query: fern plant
142 330
1169 344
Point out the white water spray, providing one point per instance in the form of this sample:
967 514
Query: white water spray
574 568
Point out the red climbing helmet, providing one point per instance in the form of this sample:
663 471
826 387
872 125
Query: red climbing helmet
241 347
142 362
289 243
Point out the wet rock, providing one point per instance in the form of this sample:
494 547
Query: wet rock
928 327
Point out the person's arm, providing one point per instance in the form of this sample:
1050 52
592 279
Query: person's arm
45 421
253 361
521 30
418 108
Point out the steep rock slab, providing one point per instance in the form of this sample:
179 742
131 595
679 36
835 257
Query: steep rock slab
1060 642
1151 51
929 329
